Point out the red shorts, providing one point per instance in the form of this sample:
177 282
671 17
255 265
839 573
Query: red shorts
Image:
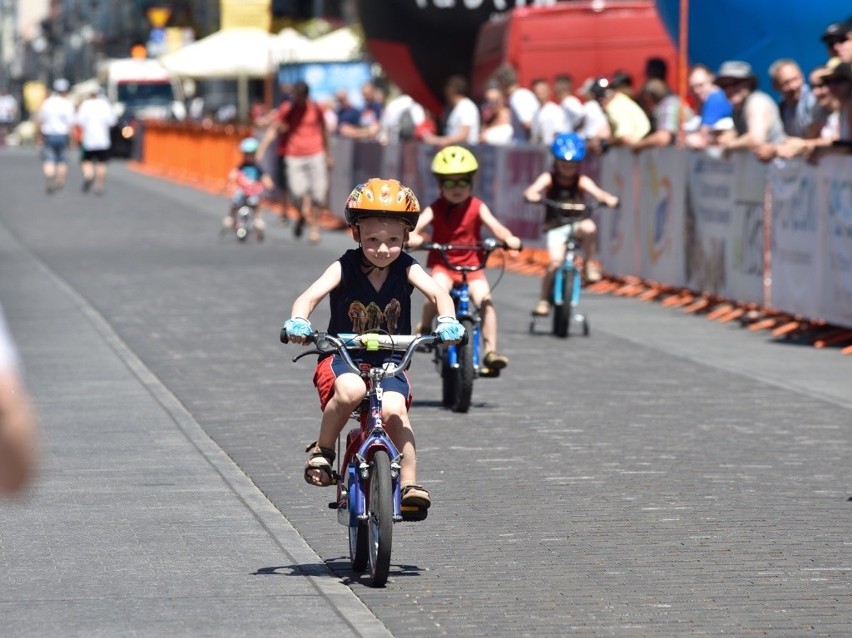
330 368
456 277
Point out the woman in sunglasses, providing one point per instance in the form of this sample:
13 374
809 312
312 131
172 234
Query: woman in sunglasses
457 217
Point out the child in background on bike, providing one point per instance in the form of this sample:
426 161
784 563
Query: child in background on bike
369 289
564 183
247 181
457 217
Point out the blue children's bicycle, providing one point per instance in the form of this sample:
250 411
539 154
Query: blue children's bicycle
369 496
459 365
567 280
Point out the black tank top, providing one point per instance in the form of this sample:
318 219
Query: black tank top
356 306
561 193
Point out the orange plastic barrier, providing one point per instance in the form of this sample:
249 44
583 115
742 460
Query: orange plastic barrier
196 154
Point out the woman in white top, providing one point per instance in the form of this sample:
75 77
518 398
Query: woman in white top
496 118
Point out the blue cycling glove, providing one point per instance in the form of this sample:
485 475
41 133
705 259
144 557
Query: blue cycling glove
449 330
298 327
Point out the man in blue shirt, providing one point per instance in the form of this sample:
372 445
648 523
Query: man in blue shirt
711 103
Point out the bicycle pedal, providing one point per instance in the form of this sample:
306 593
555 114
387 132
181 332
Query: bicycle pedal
334 505
488 373
414 514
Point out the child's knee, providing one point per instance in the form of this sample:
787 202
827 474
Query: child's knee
349 391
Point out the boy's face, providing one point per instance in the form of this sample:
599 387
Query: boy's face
567 170
455 188
381 239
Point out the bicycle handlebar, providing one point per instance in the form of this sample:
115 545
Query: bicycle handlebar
485 247
573 211
341 344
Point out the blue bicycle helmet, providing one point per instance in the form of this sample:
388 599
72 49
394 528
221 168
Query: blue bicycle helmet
249 145
569 147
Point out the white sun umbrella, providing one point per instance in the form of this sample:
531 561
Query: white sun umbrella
230 54
287 46
341 45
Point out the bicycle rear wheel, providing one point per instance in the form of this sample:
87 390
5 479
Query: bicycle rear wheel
380 518
562 311
466 372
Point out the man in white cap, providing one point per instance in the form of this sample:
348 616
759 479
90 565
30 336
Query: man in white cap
55 119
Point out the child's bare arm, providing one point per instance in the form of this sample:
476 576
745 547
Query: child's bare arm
423 281
533 192
415 237
316 292
588 185
497 229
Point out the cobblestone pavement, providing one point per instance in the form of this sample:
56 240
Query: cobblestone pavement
666 476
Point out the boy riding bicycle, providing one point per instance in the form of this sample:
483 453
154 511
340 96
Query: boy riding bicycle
369 289
248 180
457 217
564 183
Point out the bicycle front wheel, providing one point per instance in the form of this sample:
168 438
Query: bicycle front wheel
562 311
380 518
359 542
466 371
448 377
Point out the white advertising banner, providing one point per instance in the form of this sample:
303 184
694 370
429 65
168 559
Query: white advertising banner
709 202
618 230
795 249
662 193
515 169
835 189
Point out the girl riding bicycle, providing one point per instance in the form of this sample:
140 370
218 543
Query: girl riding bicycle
565 183
369 289
457 217
248 180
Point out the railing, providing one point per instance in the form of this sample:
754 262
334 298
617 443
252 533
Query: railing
702 232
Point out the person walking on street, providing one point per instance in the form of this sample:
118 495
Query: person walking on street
303 143
95 118
55 119
9 112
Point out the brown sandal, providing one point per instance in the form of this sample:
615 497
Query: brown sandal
413 495
318 468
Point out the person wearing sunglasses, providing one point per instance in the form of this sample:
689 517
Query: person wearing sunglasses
808 146
457 217
757 119
838 79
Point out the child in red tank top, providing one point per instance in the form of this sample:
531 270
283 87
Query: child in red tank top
457 217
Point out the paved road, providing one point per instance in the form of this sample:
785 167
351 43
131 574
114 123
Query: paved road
665 476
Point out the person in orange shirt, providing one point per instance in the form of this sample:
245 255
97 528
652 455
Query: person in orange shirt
299 127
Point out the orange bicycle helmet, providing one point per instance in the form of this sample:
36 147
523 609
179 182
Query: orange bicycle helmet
382 198
454 160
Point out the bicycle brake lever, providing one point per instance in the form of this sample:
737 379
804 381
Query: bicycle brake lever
305 354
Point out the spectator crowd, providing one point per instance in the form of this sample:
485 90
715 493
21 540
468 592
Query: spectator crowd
725 108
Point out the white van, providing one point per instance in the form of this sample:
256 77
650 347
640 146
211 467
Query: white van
139 89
